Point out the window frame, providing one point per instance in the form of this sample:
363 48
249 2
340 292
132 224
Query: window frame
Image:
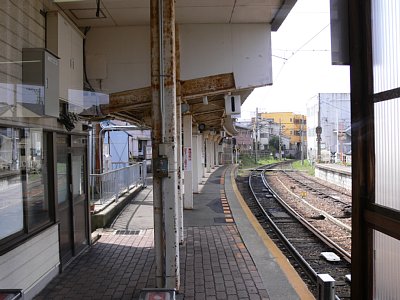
16 239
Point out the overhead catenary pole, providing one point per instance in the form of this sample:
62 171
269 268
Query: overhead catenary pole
302 141
163 85
256 138
280 146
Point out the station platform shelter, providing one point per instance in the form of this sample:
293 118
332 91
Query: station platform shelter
182 69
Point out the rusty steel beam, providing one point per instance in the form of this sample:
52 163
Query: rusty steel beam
214 111
128 118
190 89
209 120
131 96
210 85
135 108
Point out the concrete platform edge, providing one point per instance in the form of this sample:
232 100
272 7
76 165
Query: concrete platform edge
279 277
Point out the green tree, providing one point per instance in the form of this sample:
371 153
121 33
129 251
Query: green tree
274 143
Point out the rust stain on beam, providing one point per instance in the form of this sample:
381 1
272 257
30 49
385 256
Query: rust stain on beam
131 97
124 117
127 100
212 105
214 111
139 107
209 85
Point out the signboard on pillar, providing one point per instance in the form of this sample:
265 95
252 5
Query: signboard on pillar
187 158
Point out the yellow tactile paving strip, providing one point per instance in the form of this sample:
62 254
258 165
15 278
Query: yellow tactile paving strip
224 201
293 277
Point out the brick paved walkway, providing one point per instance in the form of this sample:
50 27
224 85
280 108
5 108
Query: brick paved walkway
215 264
116 267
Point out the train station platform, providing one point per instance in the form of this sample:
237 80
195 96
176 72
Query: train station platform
226 254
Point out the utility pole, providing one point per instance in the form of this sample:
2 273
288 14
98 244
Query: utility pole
302 141
256 137
280 146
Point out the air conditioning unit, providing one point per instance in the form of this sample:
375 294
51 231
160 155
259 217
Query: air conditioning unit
232 104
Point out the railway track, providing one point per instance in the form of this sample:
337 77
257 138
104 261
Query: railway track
339 195
305 246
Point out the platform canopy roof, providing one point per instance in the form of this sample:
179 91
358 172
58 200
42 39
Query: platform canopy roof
135 105
137 12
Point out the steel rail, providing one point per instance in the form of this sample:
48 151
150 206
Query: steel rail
302 262
315 189
303 221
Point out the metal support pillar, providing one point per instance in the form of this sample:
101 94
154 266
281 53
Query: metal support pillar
195 162
187 159
165 192
180 173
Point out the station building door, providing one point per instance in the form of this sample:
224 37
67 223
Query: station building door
72 206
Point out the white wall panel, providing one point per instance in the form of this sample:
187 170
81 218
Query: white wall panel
211 49
206 49
29 263
126 53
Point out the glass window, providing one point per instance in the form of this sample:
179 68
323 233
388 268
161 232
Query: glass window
62 169
35 177
11 205
23 180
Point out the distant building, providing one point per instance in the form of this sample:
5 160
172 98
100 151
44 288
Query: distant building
263 131
123 144
330 112
292 126
244 139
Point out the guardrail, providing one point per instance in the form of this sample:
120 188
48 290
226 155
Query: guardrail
108 186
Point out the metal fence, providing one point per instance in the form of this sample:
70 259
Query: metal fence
108 186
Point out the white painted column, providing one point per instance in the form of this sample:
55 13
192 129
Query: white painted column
200 158
216 153
195 162
187 162
214 160
208 153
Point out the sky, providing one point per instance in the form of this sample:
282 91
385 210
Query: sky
301 63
